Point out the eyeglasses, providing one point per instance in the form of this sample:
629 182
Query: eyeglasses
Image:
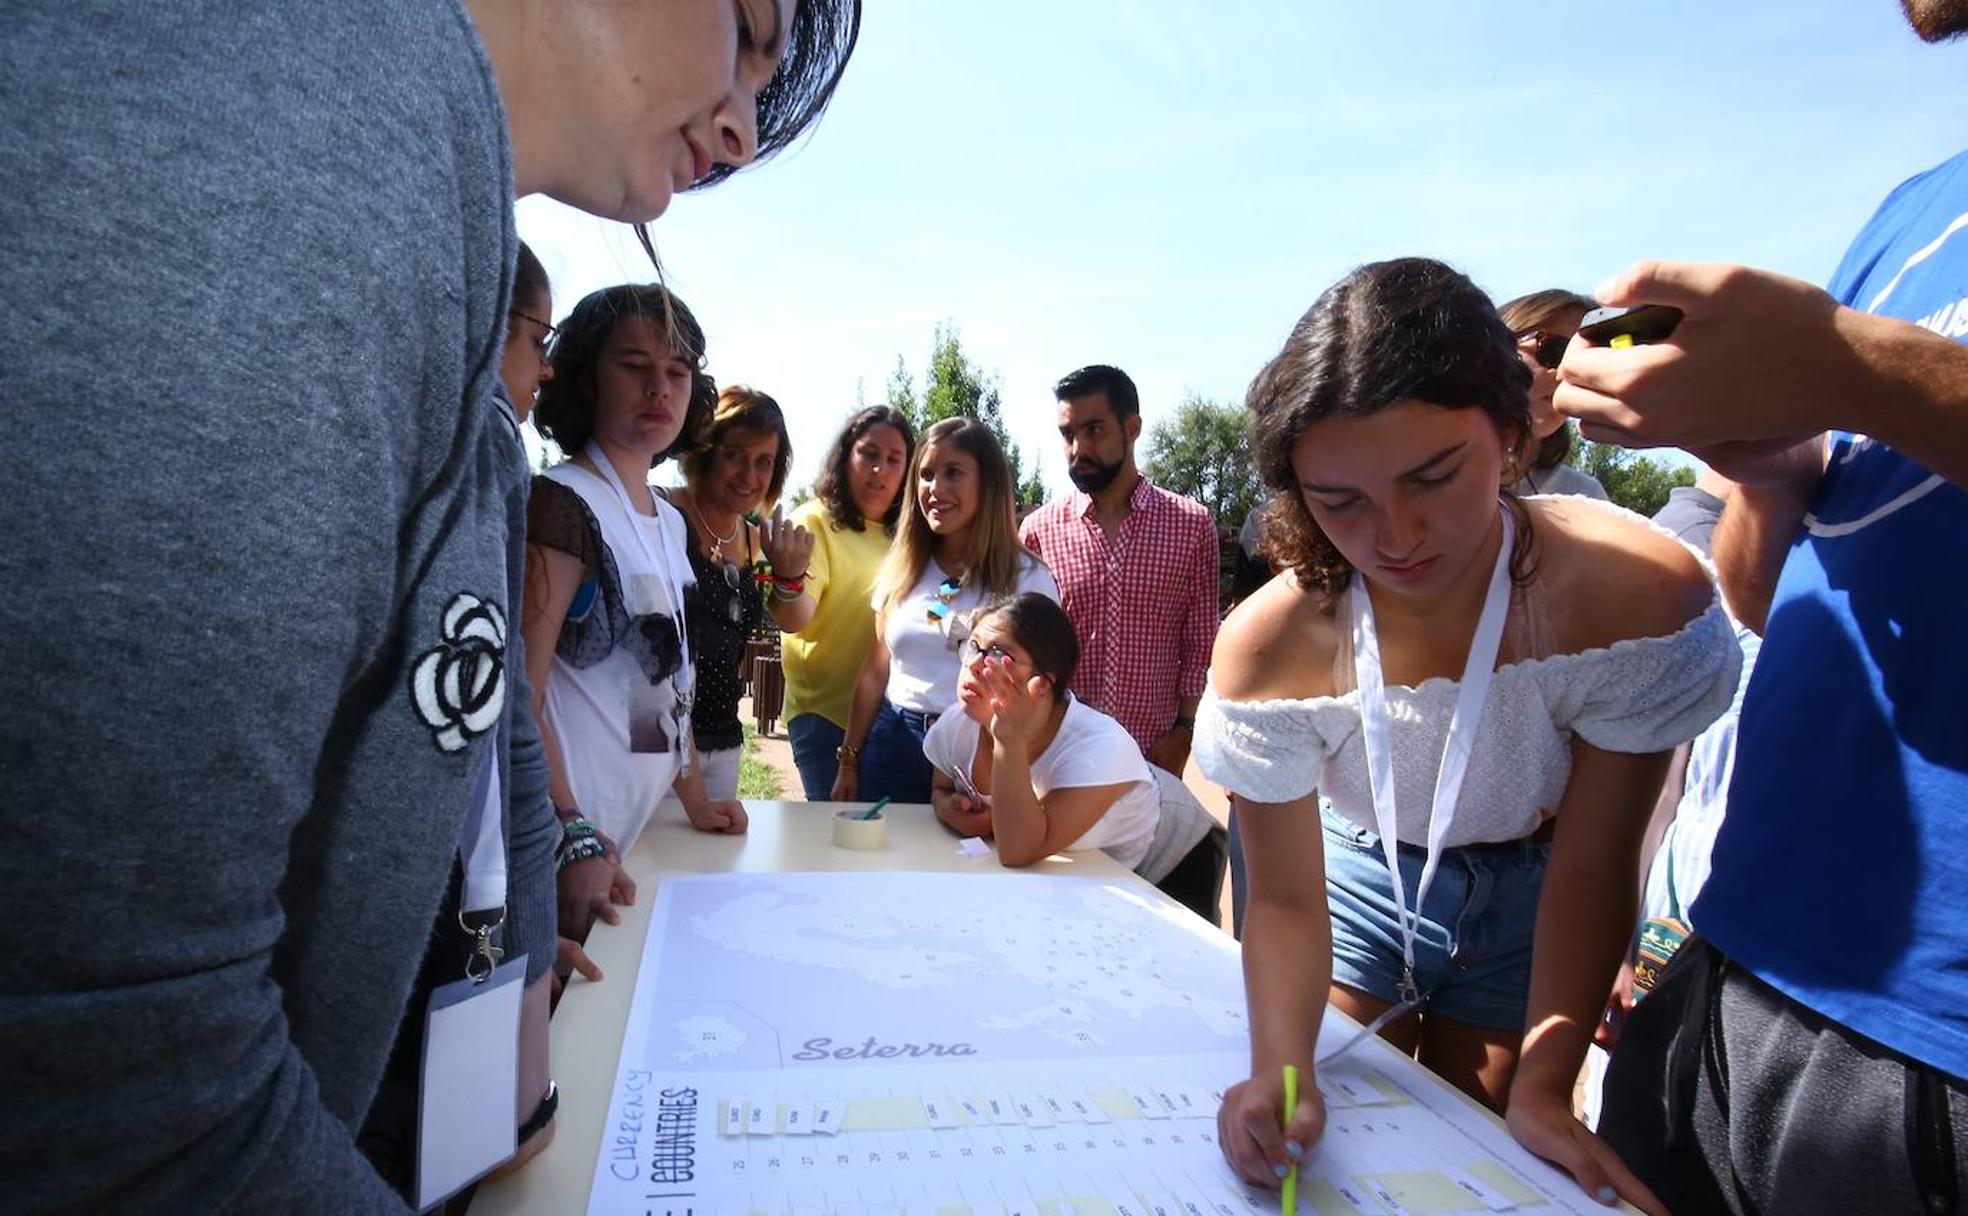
970 652
1547 349
939 608
547 332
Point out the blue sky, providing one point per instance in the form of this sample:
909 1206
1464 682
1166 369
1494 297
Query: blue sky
1167 186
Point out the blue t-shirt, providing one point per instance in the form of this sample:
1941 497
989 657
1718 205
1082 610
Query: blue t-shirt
1841 873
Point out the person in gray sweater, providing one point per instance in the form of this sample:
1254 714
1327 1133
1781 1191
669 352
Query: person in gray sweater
260 561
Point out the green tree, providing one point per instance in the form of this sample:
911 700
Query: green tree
1204 451
1638 483
902 394
956 387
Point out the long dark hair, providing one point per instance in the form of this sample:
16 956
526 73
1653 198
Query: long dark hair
833 489
1409 329
1524 314
566 408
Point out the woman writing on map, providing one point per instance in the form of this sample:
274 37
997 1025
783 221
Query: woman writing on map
956 551
1027 762
1486 689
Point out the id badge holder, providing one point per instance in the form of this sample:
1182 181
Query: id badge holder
467 1086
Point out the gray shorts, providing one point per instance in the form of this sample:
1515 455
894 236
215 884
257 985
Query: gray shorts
1725 1095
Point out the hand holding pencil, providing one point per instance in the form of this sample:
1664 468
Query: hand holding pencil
1262 1145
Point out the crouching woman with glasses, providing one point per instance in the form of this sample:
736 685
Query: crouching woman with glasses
1020 759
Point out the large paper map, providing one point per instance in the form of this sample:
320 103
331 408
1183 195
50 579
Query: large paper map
987 1045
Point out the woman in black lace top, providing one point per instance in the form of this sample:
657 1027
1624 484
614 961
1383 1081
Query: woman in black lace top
741 567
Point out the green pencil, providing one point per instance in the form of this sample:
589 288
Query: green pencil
1289 1201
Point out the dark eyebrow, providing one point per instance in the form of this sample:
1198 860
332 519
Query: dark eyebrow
1423 467
1437 458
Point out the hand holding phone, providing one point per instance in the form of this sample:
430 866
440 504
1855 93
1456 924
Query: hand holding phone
1623 327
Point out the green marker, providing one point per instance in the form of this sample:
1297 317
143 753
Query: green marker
1289 1202
874 810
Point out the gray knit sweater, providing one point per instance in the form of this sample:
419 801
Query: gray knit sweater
256 576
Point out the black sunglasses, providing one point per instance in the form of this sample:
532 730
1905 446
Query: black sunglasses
1547 349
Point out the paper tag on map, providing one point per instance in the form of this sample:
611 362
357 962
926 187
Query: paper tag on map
1032 1109
1151 1106
761 1119
1386 1196
1485 1194
938 1112
973 846
827 1118
799 1119
734 1119
1355 1091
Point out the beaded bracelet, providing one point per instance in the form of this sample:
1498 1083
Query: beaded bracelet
578 842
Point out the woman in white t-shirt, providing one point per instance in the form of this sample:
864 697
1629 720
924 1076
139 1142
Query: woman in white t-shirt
1024 761
955 552
606 573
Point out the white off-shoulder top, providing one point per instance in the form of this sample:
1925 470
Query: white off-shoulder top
1637 695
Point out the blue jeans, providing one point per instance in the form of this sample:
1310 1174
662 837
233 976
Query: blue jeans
892 760
1473 954
814 739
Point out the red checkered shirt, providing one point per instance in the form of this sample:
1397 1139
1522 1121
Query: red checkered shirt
1143 603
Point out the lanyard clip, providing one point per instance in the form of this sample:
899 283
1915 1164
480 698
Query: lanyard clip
483 958
1410 991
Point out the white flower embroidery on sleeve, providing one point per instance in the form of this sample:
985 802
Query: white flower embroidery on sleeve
459 685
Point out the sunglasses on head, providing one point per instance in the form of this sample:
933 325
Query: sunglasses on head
1547 349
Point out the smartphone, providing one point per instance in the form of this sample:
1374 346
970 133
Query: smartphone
1647 323
969 789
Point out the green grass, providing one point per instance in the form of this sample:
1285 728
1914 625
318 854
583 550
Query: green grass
755 777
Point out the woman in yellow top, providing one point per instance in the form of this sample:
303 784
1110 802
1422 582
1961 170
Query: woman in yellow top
852 517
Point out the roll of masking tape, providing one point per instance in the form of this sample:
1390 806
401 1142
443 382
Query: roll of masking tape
867 835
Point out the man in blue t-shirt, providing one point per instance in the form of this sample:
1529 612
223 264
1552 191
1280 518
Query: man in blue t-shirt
1808 1052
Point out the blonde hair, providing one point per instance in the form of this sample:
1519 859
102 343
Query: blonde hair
740 408
995 554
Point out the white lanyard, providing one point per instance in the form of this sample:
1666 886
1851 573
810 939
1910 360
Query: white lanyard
482 846
658 562
1376 735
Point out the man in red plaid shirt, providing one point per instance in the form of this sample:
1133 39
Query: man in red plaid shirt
1137 571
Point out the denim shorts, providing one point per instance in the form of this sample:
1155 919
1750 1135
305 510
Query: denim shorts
1473 950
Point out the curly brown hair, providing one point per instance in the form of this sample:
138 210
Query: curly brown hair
1411 329
566 406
